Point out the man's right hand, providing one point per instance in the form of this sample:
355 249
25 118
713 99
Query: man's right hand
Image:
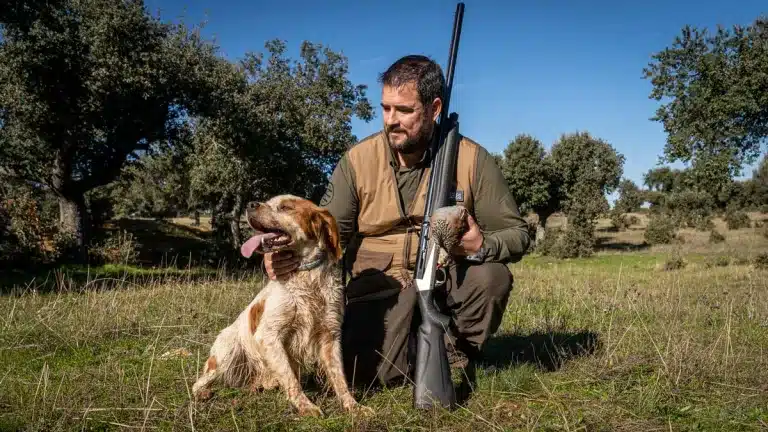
280 264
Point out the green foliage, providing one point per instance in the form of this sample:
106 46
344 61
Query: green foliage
85 85
716 86
660 230
588 169
574 178
572 242
156 185
690 208
529 175
285 126
119 248
737 219
675 262
630 197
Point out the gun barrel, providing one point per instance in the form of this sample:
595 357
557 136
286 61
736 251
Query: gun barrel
451 66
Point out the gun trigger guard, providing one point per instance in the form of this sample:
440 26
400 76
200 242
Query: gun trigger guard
440 277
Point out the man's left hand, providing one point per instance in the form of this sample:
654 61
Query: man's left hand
471 241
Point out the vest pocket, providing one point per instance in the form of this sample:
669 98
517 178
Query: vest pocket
368 262
369 280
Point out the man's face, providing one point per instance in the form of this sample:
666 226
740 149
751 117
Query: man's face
408 123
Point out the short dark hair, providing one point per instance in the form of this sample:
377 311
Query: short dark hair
425 72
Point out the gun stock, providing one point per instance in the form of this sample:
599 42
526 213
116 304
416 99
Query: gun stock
433 383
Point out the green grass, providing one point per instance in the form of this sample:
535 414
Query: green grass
608 343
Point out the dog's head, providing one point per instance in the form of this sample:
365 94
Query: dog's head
288 222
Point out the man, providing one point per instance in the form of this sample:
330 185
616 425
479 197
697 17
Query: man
377 193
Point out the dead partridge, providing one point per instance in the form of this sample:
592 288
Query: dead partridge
447 226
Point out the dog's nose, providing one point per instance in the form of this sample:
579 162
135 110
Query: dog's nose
253 205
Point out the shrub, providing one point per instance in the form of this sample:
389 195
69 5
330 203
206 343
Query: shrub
737 219
761 261
692 209
660 230
719 261
675 262
716 237
116 249
621 222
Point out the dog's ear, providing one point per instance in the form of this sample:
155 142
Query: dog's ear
324 227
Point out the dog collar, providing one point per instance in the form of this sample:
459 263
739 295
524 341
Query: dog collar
314 263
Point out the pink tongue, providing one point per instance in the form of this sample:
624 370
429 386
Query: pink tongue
254 243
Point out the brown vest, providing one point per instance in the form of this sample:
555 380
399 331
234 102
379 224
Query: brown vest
387 238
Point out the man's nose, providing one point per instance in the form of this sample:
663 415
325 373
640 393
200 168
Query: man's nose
390 118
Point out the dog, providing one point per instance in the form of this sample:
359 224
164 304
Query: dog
291 323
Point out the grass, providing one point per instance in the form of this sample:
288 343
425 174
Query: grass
612 343
620 341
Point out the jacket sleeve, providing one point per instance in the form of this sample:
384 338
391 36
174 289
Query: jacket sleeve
340 199
506 236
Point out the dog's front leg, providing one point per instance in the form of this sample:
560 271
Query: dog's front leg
330 358
273 352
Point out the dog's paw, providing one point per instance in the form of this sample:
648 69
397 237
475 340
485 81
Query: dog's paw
351 406
362 410
203 395
307 408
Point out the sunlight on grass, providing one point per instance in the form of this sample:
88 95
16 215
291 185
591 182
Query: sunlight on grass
613 342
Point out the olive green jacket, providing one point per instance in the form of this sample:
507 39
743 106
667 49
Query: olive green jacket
506 236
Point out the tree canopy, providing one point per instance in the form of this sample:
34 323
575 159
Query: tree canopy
717 88
85 85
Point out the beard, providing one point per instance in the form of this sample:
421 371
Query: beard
411 144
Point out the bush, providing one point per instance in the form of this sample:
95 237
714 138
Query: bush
569 243
622 222
716 237
675 262
692 209
761 261
737 219
660 230
116 249
719 261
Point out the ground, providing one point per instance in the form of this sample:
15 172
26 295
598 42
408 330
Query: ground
619 341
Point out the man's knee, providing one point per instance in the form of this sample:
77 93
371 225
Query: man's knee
492 280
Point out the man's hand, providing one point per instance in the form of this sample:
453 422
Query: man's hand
280 264
471 241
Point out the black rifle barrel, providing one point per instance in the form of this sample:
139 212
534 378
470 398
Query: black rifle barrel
433 381
445 126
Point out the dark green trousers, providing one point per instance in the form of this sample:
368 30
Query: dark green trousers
379 318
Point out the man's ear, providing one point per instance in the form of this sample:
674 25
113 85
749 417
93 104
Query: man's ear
437 108
325 227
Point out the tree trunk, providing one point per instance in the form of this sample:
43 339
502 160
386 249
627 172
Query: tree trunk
541 231
73 217
234 221
541 228
197 218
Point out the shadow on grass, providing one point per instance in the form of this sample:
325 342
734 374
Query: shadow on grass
546 351
108 277
605 245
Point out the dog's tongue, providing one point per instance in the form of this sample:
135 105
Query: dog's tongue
254 243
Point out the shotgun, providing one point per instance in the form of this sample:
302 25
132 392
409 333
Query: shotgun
432 375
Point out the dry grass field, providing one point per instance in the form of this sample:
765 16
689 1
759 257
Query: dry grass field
617 342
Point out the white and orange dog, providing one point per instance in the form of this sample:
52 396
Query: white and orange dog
291 323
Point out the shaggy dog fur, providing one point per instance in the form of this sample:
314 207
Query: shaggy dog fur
291 323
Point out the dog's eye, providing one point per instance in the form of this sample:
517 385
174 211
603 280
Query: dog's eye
283 207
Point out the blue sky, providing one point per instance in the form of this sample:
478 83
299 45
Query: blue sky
544 68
